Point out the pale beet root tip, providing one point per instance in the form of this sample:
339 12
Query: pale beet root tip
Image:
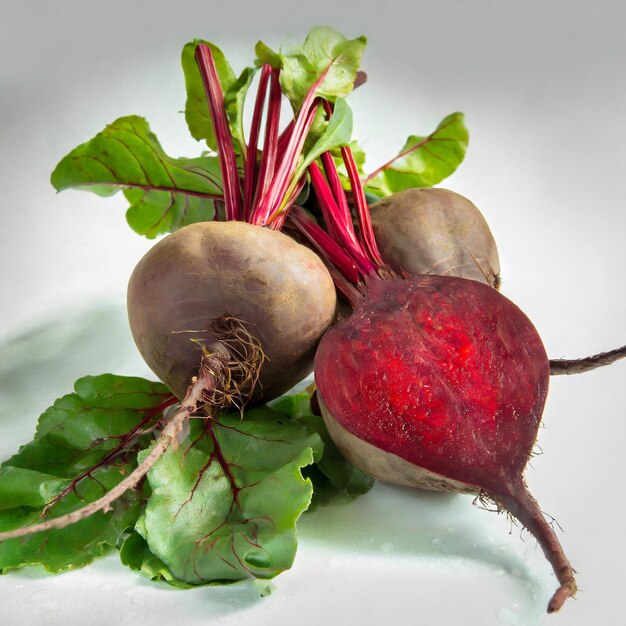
565 591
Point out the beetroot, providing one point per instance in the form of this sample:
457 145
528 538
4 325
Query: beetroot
435 231
210 271
440 382
422 369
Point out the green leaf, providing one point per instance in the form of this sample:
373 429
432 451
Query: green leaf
135 553
234 100
165 193
338 132
76 545
325 52
197 112
334 478
73 436
224 508
266 56
423 161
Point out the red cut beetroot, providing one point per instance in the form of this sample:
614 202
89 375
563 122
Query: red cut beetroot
444 372
440 382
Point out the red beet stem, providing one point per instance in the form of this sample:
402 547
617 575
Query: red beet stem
365 221
270 145
283 139
368 241
339 228
525 508
327 247
225 150
274 201
250 166
340 197
278 222
280 190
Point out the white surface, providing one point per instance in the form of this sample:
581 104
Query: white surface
543 91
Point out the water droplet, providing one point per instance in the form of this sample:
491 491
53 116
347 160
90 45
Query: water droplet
436 541
386 547
43 600
257 558
506 616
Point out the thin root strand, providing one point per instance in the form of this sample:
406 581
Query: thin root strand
560 367
192 402
524 507
224 379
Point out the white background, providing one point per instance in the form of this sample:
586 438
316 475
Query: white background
542 86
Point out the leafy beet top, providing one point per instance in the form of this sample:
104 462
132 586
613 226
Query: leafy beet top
444 372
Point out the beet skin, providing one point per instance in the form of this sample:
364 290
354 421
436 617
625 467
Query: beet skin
279 289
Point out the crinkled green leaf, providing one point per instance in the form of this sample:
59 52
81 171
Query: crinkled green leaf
197 112
224 508
135 553
74 435
76 545
325 52
165 193
334 478
424 161
266 56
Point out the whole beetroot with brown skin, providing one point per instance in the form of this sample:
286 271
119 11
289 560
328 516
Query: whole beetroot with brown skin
435 231
279 289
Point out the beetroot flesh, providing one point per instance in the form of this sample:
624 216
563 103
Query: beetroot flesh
452 377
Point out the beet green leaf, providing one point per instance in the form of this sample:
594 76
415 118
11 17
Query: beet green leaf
165 193
337 132
135 553
234 99
334 478
325 54
80 432
224 504
423 161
